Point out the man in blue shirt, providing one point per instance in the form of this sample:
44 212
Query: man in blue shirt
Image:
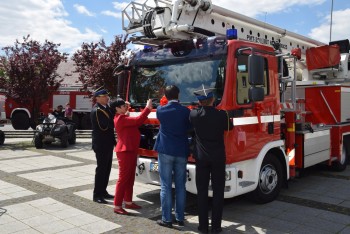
173 150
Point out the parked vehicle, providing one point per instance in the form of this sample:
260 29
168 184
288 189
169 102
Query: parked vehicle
2 118
287 95
21 116
54 129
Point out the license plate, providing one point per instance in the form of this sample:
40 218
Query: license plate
153 167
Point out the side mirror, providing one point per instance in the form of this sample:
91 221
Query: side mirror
256 94
256 66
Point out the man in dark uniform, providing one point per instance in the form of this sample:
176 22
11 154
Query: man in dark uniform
103 142
209 125
58 113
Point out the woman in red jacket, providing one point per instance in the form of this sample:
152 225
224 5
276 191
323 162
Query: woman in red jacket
128 138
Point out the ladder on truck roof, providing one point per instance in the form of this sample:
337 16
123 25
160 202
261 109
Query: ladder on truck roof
164 22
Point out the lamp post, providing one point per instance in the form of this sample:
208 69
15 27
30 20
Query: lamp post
330 30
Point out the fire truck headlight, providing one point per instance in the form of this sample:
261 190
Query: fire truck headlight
227 175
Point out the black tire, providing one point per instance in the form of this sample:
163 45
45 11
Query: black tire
73 139
76 120
86 122
32 124
64 140
38 141
341 165
20 121
2 137
270 180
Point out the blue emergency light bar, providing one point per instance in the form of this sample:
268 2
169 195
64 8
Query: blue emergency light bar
231 34
147 48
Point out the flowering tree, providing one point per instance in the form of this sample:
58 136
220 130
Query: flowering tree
96 63
28 72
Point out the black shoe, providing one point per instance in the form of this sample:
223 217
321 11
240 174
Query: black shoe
108 196
202 229
164 224
180 223
216 230
100 200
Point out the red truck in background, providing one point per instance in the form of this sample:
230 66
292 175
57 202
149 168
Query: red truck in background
21 115
2 118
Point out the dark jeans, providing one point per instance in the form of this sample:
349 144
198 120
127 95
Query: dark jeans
216 171
104 158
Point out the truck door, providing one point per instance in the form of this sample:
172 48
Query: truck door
257 125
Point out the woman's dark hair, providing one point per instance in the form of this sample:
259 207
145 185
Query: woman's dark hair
172 92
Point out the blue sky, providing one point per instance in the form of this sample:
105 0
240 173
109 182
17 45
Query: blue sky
72 22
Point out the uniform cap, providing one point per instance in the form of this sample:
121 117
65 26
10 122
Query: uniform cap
100 92
117 103
204 93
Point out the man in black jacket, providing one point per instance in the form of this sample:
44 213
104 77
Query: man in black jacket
103 142
209 125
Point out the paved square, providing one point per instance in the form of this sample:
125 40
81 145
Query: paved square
32 163
9 191
50 216
67 177
332 191
90 155
138 189
5 154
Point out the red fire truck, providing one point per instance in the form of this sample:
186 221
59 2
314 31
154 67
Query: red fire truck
286 93
80 102
2 118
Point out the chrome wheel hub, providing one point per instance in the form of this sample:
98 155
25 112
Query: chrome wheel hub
268 179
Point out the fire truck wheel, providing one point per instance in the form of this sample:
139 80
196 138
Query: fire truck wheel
76 120
73 139
38 142
86 122
20 121
64 140
2 137
270 180
341 165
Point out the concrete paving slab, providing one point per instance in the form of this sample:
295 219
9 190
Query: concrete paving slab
45 219
15 153
34 163
90 155
9 191
73 176
335 217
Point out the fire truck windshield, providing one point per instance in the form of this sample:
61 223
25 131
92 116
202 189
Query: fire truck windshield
150 81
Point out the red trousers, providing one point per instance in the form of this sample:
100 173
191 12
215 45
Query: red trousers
127 167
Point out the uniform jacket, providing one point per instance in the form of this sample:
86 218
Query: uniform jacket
172 138
209 125
102 127
127 129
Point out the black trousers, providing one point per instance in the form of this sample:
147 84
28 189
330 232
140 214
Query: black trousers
214 170
104 157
